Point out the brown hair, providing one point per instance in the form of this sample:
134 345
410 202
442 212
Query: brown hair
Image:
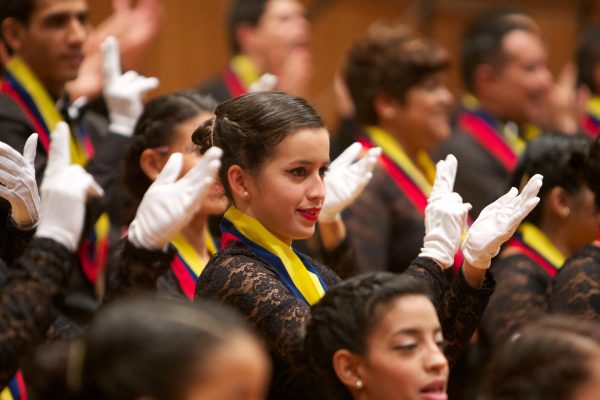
389 59
248 129
548 360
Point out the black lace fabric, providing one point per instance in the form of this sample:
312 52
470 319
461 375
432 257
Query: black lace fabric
241 279
576 288
27 301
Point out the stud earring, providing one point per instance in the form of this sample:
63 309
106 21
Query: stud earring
246 196
359 384
566 211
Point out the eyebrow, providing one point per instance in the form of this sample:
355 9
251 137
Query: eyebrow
414 331
308 162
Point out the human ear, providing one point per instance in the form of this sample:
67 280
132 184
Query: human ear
385 107
347 366
559 202
238 181
151 162
12 33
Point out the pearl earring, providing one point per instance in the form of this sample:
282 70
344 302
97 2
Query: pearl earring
359 384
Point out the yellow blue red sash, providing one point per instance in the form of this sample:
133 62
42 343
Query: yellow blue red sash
239 75
294 269
533 243
15 390
23 87
394 160
415 184
591 121
187 264
496 138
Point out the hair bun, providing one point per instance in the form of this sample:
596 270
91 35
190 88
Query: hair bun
202 135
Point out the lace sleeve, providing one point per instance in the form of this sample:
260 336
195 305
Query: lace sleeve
459 305
238 278
519 298
131 270
576 288
26 309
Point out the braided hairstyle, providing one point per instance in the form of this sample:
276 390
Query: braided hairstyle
156 128
344 319
248 129
562 161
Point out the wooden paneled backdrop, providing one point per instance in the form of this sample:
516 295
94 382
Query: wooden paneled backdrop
193 45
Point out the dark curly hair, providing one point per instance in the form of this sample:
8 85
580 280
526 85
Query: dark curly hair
562 161
389 59
155 128
548 360
593 170
345 317
249 127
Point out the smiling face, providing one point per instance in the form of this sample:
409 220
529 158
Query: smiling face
522 84
424 118
287 194
404 359
51 43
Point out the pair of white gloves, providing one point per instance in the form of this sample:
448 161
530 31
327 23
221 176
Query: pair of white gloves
65 189
169 204
446 218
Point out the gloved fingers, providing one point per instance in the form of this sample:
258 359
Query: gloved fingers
507 198
143 84
171 170
60 154
111 62
30 147
527 207
531 189
205 167
347 157
11 160
9 179
361 185
445 176
466 208
368 162
127 79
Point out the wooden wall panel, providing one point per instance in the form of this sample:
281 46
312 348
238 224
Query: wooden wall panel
192 45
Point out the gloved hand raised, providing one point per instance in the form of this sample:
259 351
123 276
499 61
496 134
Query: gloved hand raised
445 215
265 83
497 223
17 183
169 204
123 92
64 192
346 179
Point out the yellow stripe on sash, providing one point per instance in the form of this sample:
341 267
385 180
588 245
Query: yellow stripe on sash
187 252
393 150
44 103
245 70
305 281
537 240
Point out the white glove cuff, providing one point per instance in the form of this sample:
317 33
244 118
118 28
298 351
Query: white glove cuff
58 234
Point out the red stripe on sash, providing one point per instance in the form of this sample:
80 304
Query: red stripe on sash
486 136
43 134
233 83
591 126
183 274
523 248
403 181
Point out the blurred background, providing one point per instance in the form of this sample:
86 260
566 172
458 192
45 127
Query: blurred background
193 45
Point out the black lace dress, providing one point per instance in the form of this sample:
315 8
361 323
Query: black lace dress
576 288
238 277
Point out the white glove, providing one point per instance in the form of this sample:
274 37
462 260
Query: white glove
123 92
169 204
445 216
64 191
265 83
17 183
498 222
346 179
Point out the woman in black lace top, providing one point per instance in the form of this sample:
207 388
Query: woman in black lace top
576 288
565 221
275 155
